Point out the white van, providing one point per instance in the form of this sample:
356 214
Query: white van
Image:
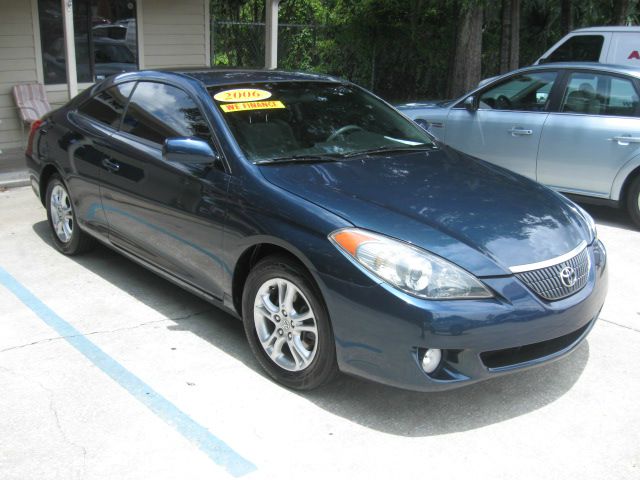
612 45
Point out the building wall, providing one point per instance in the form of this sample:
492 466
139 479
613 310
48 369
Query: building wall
17 63
175 33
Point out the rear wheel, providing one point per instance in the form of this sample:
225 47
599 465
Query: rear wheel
633 201
287 324
66 235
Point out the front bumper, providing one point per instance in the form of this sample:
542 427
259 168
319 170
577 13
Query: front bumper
380 332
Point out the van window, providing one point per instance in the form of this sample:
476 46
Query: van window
598 94
579 48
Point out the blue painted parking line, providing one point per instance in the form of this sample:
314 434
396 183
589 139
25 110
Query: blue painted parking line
211 445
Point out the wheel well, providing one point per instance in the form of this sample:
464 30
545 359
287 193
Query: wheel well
44 180
625 187
247 260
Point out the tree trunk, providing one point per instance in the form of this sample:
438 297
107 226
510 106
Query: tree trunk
505 37
467 61
620 12
514 54
510 36
566 16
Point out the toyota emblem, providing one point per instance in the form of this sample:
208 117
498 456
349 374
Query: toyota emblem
568 276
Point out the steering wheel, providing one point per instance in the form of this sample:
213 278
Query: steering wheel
503 102
342 131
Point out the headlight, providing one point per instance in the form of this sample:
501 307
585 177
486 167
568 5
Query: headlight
408 268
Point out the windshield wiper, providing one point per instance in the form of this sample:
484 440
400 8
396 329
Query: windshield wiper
312 158
390 149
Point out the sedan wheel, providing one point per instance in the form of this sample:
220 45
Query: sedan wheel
287 324
61 213
633 201
66 234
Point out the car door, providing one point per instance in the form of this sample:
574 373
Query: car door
594 133
506 124
94 122
169 214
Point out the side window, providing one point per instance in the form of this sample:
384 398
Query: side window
158 111
623 98
598 94
108 105
580 48
528 93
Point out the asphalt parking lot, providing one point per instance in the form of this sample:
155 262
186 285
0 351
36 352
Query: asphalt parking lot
107 371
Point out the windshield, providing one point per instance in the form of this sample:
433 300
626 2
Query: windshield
282 120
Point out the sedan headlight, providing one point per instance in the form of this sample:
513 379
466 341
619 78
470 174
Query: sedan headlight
408 268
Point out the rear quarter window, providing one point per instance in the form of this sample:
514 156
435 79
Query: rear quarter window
107 106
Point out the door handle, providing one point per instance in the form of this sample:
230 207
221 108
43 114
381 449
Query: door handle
517 131
625 140
110 165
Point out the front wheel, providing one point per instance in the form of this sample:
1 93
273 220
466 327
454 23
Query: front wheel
287 324
633 201
66 235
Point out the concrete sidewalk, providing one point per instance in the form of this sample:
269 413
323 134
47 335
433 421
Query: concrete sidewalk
64 415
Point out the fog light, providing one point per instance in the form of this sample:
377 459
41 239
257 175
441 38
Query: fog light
431 360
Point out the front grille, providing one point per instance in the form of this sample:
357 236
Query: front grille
547 283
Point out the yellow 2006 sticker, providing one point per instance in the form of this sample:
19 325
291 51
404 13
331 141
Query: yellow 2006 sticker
239 107
241 95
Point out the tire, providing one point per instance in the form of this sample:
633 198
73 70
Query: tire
299 357
633 201
66 235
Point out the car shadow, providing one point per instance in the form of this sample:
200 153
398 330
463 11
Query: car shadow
375 406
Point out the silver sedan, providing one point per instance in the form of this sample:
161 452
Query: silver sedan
574 127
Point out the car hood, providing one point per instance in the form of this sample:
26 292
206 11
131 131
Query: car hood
480 216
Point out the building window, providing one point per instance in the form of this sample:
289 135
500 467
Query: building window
105 39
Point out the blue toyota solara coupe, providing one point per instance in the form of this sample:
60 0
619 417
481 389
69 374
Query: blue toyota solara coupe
343 235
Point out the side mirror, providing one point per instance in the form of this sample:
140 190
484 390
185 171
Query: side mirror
422 123
470 104
187 150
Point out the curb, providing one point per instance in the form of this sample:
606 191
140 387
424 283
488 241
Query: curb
13 180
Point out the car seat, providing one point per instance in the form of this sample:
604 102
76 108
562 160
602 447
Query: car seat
583 100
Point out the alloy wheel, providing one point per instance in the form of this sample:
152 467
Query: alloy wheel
61 213
285 324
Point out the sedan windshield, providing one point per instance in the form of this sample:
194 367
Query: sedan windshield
303 121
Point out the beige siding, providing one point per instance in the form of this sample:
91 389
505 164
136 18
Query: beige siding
58 96
17 64
174 33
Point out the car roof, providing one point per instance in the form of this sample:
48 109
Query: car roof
212 77
605 28
622 69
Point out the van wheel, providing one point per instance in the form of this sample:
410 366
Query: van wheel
65 232
287 324
633 201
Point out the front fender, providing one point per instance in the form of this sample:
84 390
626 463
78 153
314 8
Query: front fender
261 213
